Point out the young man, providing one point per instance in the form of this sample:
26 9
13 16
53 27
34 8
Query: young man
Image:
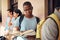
51 29
29 21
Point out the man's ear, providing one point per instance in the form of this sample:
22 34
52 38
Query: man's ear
32 8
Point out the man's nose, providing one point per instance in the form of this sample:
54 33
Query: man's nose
27 11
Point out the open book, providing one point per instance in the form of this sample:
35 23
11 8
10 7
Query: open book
26 33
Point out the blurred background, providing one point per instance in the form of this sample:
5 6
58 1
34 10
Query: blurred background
41 8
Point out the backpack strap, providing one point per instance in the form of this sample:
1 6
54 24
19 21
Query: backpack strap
37 19
39 26
20 20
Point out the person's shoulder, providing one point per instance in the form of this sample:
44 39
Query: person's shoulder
49 21
18 17
13 19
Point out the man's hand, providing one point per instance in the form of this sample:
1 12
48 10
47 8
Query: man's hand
9 24
31 37
6 32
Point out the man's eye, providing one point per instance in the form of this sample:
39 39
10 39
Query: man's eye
27 9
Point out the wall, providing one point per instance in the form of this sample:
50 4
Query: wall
4 7
0 4
39 7
0 11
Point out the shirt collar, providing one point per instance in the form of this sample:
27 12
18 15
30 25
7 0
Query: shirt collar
57 13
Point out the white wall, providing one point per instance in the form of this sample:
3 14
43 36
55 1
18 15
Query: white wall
4 7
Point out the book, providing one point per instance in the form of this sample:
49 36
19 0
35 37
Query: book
26 33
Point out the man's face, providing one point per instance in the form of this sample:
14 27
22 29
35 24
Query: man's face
27 10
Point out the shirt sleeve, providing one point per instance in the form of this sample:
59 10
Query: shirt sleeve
49 30
6 26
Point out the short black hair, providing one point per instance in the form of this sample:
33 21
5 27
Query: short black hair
10 10
27 3
18 11
57 8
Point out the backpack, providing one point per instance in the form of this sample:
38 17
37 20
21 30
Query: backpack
40 24
22 17
2 38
